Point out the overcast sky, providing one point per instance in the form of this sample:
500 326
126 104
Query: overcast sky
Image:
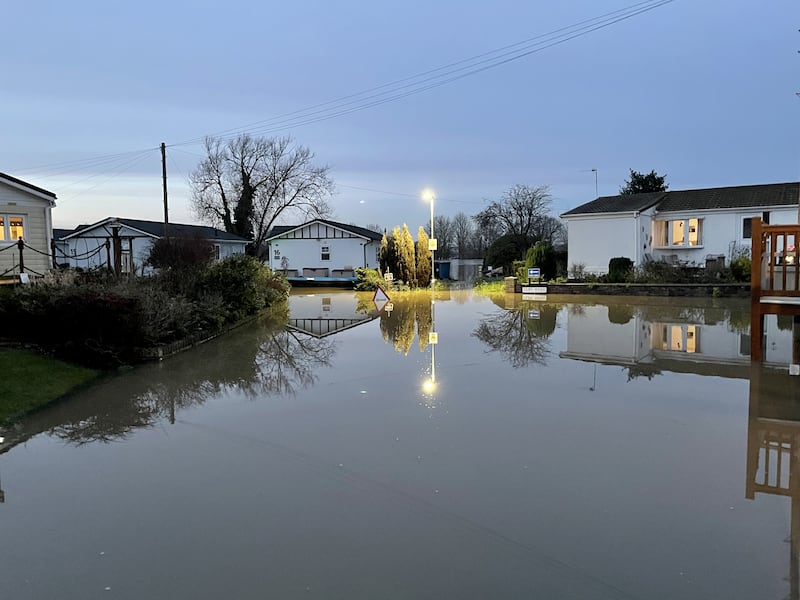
703 91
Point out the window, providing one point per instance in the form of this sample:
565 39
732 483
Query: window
216 251
12 227
747 224
680 232
325 253
747 228
681 338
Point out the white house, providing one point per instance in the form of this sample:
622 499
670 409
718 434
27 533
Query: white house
322 250
93 246
25 212
685 227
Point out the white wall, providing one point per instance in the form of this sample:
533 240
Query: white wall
595 239
306 253
36 218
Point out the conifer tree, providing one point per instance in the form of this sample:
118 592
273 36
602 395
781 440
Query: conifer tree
423 259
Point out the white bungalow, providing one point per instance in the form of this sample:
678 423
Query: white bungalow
93 246
26 213
322 250
693 227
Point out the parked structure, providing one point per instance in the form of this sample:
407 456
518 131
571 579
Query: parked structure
691 227
322 251
25 213
124 244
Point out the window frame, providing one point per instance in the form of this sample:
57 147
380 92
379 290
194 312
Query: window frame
5 227
665 231
325 252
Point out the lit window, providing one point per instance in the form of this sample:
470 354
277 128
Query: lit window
325 253
681 338
2 228
680 232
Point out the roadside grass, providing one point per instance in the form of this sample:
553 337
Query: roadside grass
32 381
490 287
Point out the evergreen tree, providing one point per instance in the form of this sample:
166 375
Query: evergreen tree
406 261
423 259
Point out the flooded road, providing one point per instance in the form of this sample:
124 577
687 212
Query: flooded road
570 448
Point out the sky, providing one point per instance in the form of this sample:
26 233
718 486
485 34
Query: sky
704 91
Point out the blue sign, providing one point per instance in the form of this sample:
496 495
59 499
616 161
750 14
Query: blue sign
534 273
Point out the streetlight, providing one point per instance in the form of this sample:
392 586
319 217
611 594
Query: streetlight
429 196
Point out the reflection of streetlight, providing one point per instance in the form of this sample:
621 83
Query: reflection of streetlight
429 196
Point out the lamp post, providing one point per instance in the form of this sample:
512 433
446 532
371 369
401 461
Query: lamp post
596 194
429 196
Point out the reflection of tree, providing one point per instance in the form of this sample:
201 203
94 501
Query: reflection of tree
398 327
259 359
521 339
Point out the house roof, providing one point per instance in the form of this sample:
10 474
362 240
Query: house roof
156 230
744 196
60 233
24 184
279 230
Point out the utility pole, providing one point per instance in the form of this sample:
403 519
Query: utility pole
596 193
164 183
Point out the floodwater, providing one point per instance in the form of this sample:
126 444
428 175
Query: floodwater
568 448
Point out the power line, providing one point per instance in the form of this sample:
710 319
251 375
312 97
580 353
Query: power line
437 77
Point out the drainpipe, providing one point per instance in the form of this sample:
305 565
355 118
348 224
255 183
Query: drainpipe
364 248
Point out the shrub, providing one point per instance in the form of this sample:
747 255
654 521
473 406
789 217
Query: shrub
740 268
620 269
179 253
368 280
543 256
245 285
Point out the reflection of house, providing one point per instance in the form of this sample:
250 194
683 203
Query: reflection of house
687 227
322 315
773 451
25 212
93 246
322 251
670 338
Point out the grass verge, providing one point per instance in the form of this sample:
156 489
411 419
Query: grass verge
31 381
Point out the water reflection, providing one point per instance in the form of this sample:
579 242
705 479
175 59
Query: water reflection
773 444
521 332
686 336
257 360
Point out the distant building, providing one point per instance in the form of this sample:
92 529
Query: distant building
692 227
91 246
322 251
26 213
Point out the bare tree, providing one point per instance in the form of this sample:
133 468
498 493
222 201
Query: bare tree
463 232
518 213
551 229
443 228
246 183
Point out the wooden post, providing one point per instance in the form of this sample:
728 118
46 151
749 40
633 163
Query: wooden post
117 250
21 245
108 253
756 317
164 184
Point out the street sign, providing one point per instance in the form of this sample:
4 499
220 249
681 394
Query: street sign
432 244
433 337
534 273
534 314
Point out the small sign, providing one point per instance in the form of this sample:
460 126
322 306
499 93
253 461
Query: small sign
388 276
433 337
389 308
794 369
534 273
540 297
432 244
534 289
534 314
24 278
380 295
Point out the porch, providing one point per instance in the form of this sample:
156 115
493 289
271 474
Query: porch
774 281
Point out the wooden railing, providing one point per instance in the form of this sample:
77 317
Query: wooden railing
774 264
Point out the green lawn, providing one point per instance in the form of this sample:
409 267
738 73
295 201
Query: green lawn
31 381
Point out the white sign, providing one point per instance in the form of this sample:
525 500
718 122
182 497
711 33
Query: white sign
534 314
540 297
433 337
534 289
432 244
388 276
534 273
24 279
